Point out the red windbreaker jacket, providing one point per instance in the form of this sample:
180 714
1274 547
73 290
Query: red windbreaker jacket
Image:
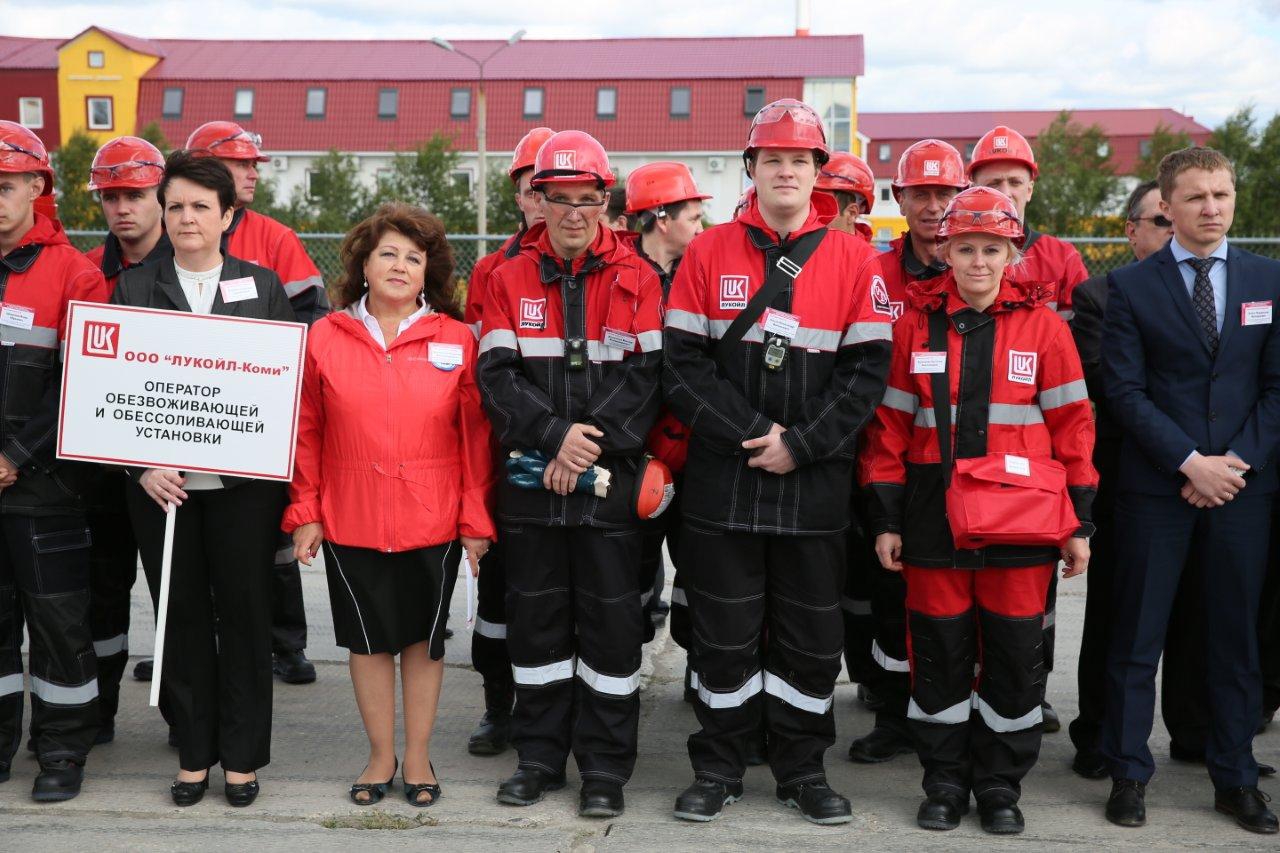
1056 265
263 241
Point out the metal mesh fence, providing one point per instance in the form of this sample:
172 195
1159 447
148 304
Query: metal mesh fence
1101 254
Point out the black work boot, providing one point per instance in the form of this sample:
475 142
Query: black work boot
527 786
492 735
1000 815
881 744
292 667
942 810
57 781
816 802
705 799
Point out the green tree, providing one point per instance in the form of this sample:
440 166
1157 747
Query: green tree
1164 140
153 134
338 199
427 176
1255 153
1076 182
77 207
504 216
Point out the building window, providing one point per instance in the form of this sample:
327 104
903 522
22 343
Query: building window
462 178
100 113
31 112
833 100
681 101
244 103
885 152
1144 148
607 103
754 100
968 150
885 194
533 103
388 103
460 103
97 59
1104 150
309 183
171 107
315 103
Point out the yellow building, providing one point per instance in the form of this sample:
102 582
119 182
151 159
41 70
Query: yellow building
98 74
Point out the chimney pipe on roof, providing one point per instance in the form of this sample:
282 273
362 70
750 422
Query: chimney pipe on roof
802 18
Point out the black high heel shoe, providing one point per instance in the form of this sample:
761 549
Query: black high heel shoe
188 793
411 792
375 790
241 794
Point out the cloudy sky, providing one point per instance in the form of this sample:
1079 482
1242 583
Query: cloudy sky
1205 59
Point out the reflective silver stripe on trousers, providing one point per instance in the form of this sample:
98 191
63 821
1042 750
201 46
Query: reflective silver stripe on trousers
899 400
886 662
687 321
855 606
293 288
492 630
613 685
732 699
957 713
537 676
36 336
1006 414
504 338
997 723
111 646
861 333
646 597
10 683
57 694
1062 395
777 686
678 596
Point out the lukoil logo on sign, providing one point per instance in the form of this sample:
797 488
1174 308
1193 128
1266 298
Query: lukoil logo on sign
564 159
101 340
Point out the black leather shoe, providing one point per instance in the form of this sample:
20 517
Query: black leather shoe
143 668
493 734
4 773
705 799
757 750
941 811
1127 804
816 802
293 667
57 781
241 794
106 733
1188 754
1249 807
1000 816
1049 722
188 793
528 786
880 745
868 698
1090 764
600 798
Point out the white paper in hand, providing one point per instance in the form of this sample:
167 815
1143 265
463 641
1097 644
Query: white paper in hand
467 569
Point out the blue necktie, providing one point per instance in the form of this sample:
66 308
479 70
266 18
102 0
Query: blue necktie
1202 300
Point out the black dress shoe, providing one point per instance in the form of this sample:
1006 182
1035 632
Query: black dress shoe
868 698
292 667
106 733
240 794
1000 816
57 781
1188 754
4 772
143 668
879 745
1248 806
705 799
1049 722
600 798
1090 764
816 802
941 811
188 793
527 786
1127 804
757 749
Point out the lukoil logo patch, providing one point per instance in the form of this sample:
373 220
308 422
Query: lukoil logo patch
933 168
533 313
733 291
564 159
1000 143
1022 367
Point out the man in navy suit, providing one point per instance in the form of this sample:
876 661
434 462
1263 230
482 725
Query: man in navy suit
1191 367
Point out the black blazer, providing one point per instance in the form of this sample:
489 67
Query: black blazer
155 285
1169 394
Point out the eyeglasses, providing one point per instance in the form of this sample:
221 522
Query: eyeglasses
575 205
1159 220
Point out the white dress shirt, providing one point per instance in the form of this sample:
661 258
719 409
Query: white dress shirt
371 322
200 288
1217 275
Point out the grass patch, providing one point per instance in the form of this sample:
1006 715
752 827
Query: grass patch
377 819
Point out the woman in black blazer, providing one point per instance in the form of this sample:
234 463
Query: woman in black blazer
217 663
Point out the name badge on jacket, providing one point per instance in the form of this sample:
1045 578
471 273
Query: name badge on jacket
239 289
928 362
444 356
1255 313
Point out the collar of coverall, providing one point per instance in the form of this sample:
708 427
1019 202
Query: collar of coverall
822 209
606 246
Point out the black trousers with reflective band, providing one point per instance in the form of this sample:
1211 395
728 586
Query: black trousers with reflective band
574 631
489 637
288 612
875 618
44 579
741 586
217 660
113 568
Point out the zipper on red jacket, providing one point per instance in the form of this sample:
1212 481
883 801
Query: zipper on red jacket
390 500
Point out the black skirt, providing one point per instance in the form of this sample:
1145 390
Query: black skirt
384 602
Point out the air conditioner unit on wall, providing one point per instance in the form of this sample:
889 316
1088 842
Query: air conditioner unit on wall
715 164
279 163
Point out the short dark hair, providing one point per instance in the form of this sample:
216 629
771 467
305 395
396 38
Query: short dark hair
646 220
1197 157
844 199
617 202
208 172
1133 207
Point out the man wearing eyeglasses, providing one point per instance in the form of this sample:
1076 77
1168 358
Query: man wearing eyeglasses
570 361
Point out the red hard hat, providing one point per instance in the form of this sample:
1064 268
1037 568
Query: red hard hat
848 173
982 210
930 163
1003 143
571 155
788 123
22 151
527 150
226 140
126 162
655 184
655 487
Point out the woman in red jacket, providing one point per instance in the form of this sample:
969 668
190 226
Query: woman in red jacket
1017 394
393 469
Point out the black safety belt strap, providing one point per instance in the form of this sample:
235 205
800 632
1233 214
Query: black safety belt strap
941 390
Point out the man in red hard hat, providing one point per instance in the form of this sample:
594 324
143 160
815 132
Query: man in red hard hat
774 404
570 361
262 240
489 639
929 174
44 538
849 180
1003 160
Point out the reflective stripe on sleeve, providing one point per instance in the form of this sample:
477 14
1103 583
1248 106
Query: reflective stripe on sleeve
650 341
1062 395
36 336
504 338
861 333
293 288
896 398
687 321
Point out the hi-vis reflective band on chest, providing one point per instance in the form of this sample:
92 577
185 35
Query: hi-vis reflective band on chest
880 302
733 292
444 356
533 313
928 362
1022 367
1251 314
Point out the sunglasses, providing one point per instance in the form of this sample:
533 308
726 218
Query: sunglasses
1159 220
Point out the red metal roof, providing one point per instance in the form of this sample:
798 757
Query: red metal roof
134 43
25 53
561 59
1116 122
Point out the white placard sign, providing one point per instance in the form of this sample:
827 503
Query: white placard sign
191 392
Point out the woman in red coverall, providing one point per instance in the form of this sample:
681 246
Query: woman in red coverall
393 468
1017 390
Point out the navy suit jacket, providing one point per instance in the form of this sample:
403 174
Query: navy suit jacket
1169 395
